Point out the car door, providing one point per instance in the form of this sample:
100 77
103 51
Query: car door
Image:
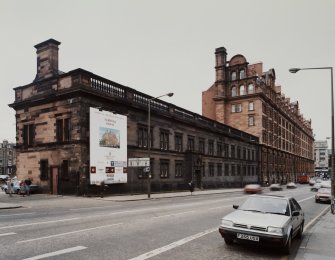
295 220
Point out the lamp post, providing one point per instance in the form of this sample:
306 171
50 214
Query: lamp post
295 70
149 139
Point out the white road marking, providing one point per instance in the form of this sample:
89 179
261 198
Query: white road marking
59 252
102 207
314 219
173 245
306 199
7 234
176 214
68 233
18 214
39 223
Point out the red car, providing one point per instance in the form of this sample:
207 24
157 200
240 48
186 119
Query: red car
324 194
253 188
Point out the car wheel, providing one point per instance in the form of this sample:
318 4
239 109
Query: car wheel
228 241
301 229
316 201
287 247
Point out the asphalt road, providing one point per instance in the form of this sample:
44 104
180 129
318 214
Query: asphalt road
171 228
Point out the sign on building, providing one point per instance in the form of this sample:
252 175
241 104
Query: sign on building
108 147
138 162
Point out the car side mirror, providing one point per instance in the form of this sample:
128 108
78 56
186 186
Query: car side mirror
295 213
235 206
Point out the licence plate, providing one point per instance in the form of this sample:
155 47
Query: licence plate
248 237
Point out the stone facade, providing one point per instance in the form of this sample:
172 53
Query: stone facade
247 98
52 132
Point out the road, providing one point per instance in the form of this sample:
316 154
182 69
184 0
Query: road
171 228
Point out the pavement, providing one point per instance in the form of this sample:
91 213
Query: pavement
318 240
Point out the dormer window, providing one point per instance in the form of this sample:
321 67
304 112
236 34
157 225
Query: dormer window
233 75
242 74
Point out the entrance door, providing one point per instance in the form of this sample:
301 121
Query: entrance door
54 180
198 178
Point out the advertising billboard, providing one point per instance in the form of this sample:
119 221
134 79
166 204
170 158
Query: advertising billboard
108 147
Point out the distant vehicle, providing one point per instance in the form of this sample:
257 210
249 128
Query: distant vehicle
275 187
321 184
16 187
291 185
252 188
264 220
313 180
303 178
4 177
324 194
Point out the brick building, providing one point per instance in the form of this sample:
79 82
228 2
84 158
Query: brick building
7 158
247 98
53 135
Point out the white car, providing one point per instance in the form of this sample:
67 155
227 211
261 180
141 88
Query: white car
264 220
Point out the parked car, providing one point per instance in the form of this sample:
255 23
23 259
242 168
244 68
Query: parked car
264 220
16 187
320 184
323 194
291 185
275 187
253 188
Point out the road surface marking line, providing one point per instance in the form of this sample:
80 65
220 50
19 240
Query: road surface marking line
220 207
102 207
67 233
306 199
173 245
18 214
7 234
59 252
39 223
170 215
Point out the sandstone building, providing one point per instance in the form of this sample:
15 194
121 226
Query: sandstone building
247 98
53 135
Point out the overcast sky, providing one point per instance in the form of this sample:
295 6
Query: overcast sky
168 46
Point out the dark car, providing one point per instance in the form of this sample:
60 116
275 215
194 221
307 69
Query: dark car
264 220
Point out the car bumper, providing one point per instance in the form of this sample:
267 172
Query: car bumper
264 239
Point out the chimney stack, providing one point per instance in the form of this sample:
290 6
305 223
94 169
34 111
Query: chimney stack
47 59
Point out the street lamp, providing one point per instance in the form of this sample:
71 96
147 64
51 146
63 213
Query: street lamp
149 138
295 70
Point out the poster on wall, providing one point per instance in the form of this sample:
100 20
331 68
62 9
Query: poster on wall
108 147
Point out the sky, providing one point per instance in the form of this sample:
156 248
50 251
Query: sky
157 46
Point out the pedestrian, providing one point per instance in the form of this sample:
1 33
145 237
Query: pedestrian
10 186
22 188
28 183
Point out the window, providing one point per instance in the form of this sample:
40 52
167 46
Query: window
233 167
238 170
179 142
238 152
28 135
242 90
233 75
232 151
242 74
63 130
251 88
226 150
219 149
251 106
233 92
201 145
143 136
236 108
164 168
44 170
179 169
211 147
164 140
251 121
226 169
211 169
190 143
219 169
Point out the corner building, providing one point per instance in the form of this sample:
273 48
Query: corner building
247 98
53 135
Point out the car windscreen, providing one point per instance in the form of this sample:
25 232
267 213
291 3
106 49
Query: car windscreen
266 205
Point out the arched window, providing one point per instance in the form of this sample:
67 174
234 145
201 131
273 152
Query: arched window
233 92
242 90
251 88
251 106
242 74
233 75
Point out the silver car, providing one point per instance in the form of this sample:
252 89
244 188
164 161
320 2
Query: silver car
264 220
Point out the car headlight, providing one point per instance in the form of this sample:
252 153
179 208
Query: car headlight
275 230
227 223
